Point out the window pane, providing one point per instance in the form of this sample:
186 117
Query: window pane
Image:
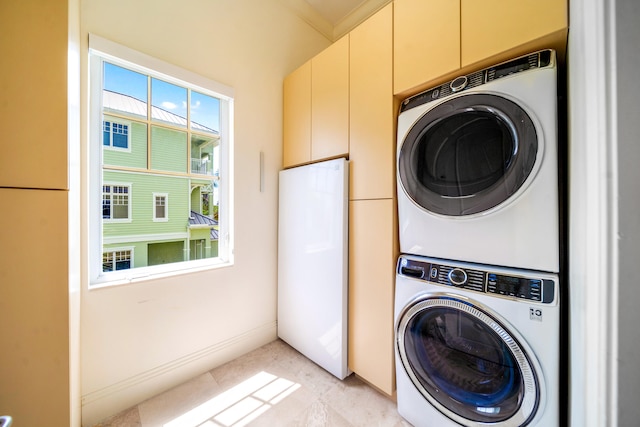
107 261
168 149
205 113
106 206
135 142
124 91
123 260
160 207
120 135
203 151
169 103
106 134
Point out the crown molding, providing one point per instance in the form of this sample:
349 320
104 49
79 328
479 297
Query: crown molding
309 15
357 16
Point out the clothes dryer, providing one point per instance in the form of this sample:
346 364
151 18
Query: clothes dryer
477 167
476 345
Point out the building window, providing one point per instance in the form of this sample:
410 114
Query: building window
115 202
116 260
115 135
160 207
163 131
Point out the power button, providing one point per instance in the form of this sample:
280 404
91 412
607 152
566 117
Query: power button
458 84
457 277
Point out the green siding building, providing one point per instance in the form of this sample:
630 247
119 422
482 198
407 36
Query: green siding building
159 195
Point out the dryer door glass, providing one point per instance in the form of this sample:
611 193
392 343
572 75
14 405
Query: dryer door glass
468 366
468 155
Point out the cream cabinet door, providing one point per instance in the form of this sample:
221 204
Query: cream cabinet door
426 42
371 111
493 26
34 296
372 259
33 110
296 145
330 101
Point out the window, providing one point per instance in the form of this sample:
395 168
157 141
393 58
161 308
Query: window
115 201
157 133
160 212
116 260
115 135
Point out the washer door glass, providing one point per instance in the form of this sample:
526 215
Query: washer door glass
468 155
466 364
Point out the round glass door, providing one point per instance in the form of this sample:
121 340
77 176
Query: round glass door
466 364
468 155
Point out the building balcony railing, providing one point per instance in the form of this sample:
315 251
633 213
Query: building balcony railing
202 167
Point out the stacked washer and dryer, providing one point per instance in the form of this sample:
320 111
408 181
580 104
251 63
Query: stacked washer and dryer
477 303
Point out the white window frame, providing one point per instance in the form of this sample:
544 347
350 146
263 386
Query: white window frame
129 201
120 122
165 218
120 249
101 50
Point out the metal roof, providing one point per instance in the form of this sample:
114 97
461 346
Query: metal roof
198 219
119 102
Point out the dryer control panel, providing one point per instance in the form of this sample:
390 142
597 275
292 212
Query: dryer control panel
540 59
522 286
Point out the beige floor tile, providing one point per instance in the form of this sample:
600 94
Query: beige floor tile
319 414
274 385
127 418
361 405
157 411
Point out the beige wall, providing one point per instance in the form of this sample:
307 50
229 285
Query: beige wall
141 338
34 298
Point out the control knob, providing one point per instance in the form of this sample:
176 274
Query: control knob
457 277
458 84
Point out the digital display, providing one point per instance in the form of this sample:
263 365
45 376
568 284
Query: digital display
515 286
512 67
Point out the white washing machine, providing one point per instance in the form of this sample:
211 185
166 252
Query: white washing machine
476 345
477 167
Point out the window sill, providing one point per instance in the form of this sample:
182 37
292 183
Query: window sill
144 274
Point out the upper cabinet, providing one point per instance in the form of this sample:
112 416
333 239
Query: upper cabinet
330 101
490 27
371 112
316 108
296 130
434 39
33 111
426 42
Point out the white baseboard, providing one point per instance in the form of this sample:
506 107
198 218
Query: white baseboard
100 404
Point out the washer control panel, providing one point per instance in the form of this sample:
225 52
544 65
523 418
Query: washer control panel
526 287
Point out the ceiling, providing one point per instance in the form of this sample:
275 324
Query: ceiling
335 18
335 11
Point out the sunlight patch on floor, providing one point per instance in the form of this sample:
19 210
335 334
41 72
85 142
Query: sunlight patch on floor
239 405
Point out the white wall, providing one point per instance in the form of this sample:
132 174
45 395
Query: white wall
604 223
139 339
627 15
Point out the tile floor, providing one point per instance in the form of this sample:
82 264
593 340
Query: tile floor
273 385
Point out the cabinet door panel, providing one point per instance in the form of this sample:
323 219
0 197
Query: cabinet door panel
34 296
493 26
372 258
371 130
426 41
330 101
33 111
297 117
